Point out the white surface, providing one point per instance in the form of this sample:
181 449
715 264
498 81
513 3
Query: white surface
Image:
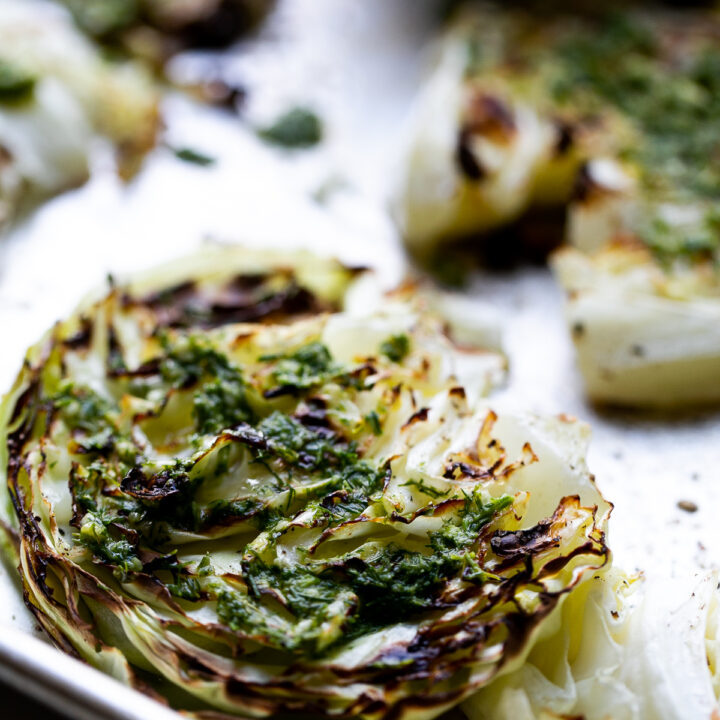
358 62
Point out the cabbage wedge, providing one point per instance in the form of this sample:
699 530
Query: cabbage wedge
57 93
613 120
230 492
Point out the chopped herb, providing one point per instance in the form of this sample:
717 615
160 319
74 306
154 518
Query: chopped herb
396 347
120 553
397 583
373 421
460 535
668 241
428 490
307 367
15 83
221 400
189 155
309 448
673 106
297 128
221 404
241 613
186 587
204 567
83 409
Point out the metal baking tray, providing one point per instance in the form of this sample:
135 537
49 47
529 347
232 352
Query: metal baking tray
358 63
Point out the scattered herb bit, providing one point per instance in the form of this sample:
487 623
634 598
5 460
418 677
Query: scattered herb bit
195 157
297 128
428 490
95 535
373 421
15 83
331 186
396 347
186 587
460 535
307 367
205 567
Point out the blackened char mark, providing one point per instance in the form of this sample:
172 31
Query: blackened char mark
147 369
459 469
81 339
286 303
313 413
27 402
586 188
521 543
420 416
244 299
485 116
156 487
221 24
465 158
565 137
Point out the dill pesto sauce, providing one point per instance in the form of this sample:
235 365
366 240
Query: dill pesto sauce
651 88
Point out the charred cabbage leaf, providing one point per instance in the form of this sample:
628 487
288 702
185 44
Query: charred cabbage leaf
200 497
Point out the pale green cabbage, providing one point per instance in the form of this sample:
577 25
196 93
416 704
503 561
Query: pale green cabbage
226 488
73 95
621 650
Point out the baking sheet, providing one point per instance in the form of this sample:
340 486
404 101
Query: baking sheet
358 62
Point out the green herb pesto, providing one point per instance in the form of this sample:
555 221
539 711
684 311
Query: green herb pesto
389 587
291 471
95 535
674 107
698 239
457 536
297 128
222 511
318 451
307 367
82 408
396 347
16 84
221 398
